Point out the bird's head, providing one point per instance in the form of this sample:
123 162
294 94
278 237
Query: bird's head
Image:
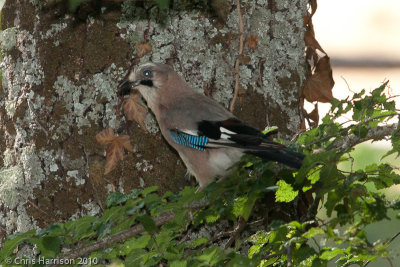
157 83
147 78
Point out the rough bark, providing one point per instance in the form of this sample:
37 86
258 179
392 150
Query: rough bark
60 73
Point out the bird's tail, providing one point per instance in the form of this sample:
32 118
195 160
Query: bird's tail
284 156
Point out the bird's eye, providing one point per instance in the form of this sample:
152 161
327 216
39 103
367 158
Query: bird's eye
147 73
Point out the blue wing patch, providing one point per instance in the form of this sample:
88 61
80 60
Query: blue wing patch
193 141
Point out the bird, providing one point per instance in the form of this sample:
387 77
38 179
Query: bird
208 138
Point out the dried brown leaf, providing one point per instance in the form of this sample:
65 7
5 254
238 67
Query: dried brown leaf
311 54
105 137
243 59
114 153
306 20
115 146
125 142
318 87
143 49
310 41
134 110
313 115
313 4
252 42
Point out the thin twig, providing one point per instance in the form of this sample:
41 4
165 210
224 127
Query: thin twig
354 126
236 90
53 220
390 241
348 86
373 134
390 262
289 255
238 229
118 237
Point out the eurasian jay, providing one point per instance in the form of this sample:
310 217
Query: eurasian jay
208 138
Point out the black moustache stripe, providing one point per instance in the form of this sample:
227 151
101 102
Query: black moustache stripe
147 83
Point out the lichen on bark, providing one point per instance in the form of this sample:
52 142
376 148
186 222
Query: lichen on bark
60 75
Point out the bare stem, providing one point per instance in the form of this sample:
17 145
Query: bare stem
236 90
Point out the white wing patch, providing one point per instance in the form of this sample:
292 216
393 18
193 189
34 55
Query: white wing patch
224 130
225 136
225 133
191 132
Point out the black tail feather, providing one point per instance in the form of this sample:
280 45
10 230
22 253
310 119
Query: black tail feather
284 156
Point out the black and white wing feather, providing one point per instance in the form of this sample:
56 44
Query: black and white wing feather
235 133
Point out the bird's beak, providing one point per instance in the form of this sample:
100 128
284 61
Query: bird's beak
124 88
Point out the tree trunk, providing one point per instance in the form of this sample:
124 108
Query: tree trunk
60 74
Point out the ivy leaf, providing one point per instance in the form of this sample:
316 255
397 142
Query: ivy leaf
115 146
143 49
318 87
134 109
54 229
116 198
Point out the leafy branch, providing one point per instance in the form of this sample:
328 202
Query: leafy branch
143 228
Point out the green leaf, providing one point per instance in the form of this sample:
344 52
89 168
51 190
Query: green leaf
199 241
73 4
134 209
332 253
333 199
360 131
285 192
113 214
103 229
162 4
238 206
54 229
330 175
178 264
313 232
15 240
208 254
254 250
378 91
270 129
148 224
136 243
116 198
49 246
303 253
390 105
136 257
149 190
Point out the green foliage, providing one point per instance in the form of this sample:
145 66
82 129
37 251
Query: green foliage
351 200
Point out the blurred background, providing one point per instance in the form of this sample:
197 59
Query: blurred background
362 38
